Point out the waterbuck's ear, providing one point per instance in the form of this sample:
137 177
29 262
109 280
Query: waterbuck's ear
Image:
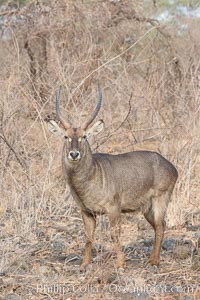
95 129
54 128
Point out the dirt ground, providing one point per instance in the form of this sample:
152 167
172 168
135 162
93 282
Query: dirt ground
46 266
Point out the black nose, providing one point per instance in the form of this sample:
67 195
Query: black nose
74 154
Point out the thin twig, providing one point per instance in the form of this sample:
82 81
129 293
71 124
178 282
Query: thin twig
116 129
115 57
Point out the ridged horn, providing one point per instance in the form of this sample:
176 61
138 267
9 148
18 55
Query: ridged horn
58 114
95 113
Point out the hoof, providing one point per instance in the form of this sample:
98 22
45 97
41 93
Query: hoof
151 267
154 262
83 268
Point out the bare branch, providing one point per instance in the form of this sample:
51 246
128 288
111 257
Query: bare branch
122 123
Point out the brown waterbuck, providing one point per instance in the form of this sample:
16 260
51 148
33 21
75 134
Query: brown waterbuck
114 184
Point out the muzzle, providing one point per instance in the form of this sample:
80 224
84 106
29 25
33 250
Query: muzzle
74 155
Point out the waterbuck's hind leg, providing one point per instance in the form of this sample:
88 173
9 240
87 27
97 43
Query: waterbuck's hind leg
89 225
156 217
114 216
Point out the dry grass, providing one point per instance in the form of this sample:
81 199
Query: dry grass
40 226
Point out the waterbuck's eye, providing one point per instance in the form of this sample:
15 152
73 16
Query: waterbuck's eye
84 136
68 138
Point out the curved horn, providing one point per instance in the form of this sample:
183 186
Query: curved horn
95 113
58 114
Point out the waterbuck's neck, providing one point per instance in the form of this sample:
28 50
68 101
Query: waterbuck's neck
78 173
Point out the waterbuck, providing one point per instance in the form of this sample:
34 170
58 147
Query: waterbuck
114 184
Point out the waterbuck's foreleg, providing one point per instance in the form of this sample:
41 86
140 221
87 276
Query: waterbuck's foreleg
114 216
89 224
